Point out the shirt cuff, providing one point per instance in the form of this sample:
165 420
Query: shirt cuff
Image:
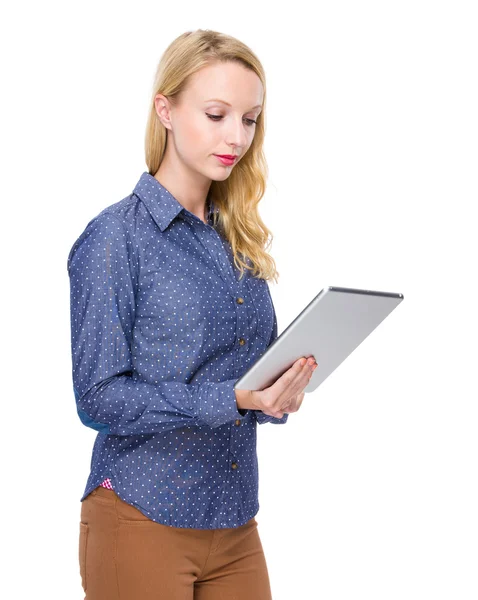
218 404
263 418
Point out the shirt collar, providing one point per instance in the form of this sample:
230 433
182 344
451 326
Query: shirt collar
162 205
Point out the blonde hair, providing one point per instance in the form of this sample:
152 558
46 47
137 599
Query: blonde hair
236 199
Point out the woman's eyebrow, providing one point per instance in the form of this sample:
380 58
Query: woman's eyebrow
224 102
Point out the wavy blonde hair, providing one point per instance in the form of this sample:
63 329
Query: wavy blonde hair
236 199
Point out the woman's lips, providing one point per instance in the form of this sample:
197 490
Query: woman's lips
226 161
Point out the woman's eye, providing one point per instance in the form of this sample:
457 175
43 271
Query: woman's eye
218 117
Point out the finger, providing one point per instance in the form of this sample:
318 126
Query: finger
297 403
301 382
291 383
295 377
284 383
300 398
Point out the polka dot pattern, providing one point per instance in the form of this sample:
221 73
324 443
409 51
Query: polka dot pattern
161 329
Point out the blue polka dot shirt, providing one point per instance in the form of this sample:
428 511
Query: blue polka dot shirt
161 329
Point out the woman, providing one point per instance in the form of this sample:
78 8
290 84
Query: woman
169 307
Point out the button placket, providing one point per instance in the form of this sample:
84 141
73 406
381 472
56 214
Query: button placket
222 261
242 329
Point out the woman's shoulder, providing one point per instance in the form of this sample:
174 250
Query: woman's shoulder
127 211
116 223
123 214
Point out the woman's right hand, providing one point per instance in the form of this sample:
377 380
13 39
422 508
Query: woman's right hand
287 392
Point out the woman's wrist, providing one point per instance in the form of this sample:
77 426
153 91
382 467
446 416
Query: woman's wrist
244 399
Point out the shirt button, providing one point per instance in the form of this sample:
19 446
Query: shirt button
240 300
242 341
234 465
237 421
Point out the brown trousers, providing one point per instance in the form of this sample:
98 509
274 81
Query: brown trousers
123 555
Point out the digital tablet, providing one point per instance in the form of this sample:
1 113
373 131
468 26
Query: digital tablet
329 328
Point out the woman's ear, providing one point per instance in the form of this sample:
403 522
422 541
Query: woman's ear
163 110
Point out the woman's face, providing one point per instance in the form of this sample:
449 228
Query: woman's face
199 126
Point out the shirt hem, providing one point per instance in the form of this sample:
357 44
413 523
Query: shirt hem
246 514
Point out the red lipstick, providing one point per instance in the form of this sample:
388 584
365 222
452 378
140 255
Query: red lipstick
226 159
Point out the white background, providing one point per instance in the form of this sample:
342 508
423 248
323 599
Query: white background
370 490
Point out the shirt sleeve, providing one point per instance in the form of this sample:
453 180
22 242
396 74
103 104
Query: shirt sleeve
109 395
260 416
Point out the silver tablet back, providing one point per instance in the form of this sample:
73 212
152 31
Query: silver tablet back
329 328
